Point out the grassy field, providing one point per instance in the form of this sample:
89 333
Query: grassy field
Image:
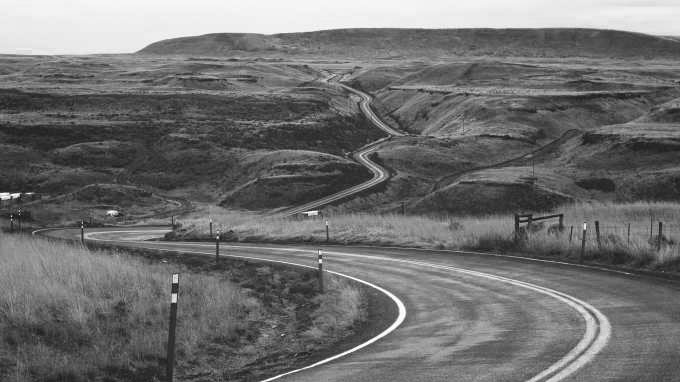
494 233
70 314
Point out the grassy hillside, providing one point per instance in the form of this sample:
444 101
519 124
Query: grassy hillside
377 43
69 314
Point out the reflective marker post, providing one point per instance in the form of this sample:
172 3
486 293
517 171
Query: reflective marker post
173 326
82 231
11 223
217 246
320 256
328 236
583 243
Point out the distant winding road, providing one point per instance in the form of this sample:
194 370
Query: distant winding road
472 317
380 174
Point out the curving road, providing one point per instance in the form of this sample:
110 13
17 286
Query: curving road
380 174
474 317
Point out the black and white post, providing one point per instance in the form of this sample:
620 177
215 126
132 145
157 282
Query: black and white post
11 223
583 243
82 231
320 257
217 246
173 326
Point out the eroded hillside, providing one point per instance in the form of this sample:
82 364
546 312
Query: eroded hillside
492 136
198 129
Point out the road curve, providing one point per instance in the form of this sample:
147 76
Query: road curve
379 173
481 318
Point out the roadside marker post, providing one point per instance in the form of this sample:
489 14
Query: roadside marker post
173 326
658 239
320 257
583 243
11 223
19 221
328 236
628 242
82 231
211 227
217 246
597 235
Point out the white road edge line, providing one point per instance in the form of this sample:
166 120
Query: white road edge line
597 333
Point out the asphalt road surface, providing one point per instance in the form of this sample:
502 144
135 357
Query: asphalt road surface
474 317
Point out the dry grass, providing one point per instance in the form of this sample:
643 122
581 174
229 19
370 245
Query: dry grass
71 314
469 232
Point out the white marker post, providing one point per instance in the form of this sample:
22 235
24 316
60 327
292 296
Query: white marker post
328 236
82 231
320 256
583 243
173 326
11 223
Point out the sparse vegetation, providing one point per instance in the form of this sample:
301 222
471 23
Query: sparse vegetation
70 314
489 233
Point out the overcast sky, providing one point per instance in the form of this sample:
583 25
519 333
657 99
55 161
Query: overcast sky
122 26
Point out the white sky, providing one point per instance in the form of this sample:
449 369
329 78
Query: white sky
122 26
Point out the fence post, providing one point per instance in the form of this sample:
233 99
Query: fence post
172 221
583 243
571 233
530 221
403 208
561 222
320 257
658 240
516 228
597 234
173 326
217 246
82 231
211 235
328 236
628 242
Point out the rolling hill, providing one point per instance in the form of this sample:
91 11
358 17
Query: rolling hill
385 43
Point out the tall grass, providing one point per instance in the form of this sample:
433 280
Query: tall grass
475 232
69 314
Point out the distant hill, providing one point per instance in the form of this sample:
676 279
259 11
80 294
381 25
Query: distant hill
376 43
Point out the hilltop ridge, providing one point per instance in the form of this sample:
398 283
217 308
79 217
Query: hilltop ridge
383 43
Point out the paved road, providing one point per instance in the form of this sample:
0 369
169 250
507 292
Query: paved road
380 174
471 317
